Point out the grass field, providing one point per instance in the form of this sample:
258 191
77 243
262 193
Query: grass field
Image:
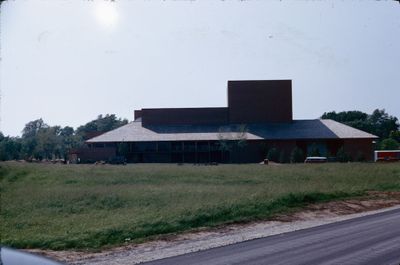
94 206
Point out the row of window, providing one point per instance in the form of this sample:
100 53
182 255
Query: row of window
219 157
139 147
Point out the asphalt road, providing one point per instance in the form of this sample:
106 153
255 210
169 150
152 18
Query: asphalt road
373 239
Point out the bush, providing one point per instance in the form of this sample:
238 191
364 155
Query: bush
314 150
273 155
342 156
360 157
282 157
395 135
389 144
297 155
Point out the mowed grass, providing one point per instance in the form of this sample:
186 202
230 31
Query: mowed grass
95 206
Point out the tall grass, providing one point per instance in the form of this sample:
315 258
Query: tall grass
89 206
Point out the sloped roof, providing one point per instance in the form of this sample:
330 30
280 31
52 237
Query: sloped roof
298 129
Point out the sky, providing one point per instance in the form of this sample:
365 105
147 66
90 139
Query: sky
67 61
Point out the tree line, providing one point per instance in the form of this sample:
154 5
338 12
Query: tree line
379 123
42 141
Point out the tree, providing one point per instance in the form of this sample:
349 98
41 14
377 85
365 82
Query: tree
10 148
224 140
241 136
228 141
41 141
389 144
378 123
29 138
241 139
69 140
382 124
49 143
346 116
395 135
101 124
33 127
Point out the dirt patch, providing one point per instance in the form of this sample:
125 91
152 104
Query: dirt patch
205 238
373 201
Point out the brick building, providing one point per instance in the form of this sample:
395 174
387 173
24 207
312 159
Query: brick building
258 117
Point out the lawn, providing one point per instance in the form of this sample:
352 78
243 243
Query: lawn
95 206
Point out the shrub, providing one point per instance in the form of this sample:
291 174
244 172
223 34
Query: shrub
360 157
297 155
389 144
342 156
314 150
282 157
395 135
273 155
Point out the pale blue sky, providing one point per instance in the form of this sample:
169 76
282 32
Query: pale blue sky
68 61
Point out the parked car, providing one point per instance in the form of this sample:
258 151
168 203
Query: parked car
316 159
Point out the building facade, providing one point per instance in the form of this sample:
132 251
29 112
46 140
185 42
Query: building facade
258 117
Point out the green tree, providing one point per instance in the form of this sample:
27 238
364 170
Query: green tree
225 140
389 144
33 127
382 124
395 135
101 124
346 116
10 148
229 141
49 143
241 139
241 136
378 122
41 141
29 138
69 140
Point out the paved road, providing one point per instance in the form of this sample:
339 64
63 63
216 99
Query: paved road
373 239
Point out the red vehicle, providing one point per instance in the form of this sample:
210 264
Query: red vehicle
387 156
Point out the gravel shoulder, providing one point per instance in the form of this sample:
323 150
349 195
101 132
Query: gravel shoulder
206 238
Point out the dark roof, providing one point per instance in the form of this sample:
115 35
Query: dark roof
298 129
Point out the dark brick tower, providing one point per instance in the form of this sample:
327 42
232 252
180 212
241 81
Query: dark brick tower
260 101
